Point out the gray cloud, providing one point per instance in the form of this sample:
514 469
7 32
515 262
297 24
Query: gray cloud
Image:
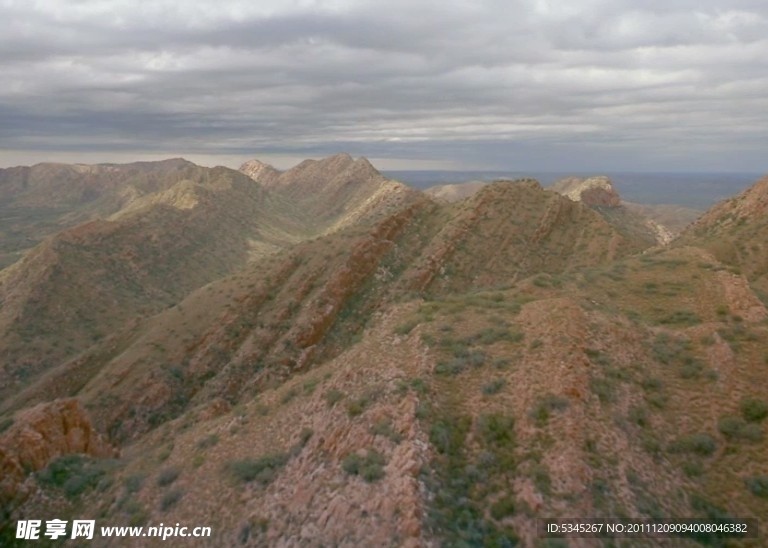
520 84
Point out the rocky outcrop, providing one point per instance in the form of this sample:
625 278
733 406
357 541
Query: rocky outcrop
594 191
260 172
41 434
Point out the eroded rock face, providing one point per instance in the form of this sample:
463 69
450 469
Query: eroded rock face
260 172
594 191
42 434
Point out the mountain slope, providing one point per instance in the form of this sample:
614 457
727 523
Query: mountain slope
302 307
476 414
430 374
736 232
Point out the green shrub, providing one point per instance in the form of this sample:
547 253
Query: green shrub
547 405
383 427
452 367
357 406
638 415
603 388
652 384
493 387
167 476
310 385
667 349
758 486
730 426
304 436
133 483
333 396
700 444
74 474
369 467
170 499
503 508
691 367
496 429
490 335
448 435
754 410
735 428
290 395
541 478
419 386
406 327
208 441
262 470
681 317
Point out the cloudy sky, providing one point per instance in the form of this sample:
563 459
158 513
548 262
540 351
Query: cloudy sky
627 85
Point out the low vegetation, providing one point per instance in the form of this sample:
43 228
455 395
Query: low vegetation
369 466
546 406
76 474
261 470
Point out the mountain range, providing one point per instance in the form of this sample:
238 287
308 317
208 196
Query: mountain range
356 362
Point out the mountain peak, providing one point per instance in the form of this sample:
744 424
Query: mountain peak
592 191
259 171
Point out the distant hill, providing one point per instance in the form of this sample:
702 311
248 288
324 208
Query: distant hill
43 199
599 193
455 192
334 192
694 190
183 226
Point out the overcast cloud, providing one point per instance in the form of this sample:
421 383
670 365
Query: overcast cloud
501 84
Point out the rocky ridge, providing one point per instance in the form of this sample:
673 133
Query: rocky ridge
593 191
431 372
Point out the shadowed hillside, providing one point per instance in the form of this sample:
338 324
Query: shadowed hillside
43 199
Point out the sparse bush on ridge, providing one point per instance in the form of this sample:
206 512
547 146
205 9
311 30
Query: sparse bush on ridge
333 396
74 474
133 483
369 467
754 410
357 406
170 499
406 327
262 470
493 387
701 444
167 476
603 388
758 486
735 428
208 441
384 428
546 405
496 429
502 508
